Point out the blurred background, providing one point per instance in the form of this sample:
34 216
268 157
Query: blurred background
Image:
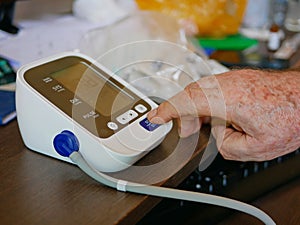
227 30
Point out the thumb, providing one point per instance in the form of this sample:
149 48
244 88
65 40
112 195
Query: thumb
232 144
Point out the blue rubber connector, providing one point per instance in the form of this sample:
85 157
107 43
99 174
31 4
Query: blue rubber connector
66 143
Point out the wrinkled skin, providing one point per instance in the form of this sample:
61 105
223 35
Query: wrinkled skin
255 114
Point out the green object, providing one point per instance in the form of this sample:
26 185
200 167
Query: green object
7 74
232 42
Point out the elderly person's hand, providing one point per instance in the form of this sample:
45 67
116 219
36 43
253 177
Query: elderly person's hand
255 113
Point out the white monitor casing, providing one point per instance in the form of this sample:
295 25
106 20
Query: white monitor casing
40 121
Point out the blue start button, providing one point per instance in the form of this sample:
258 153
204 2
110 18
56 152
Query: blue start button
148 126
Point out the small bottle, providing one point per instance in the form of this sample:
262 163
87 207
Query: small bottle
274 38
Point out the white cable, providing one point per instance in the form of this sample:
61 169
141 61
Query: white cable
202 198
122 185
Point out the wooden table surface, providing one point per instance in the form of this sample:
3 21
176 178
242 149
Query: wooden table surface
36 189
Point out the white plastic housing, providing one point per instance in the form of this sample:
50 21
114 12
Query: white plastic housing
40 121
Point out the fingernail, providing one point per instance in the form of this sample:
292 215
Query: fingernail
156 120
153 118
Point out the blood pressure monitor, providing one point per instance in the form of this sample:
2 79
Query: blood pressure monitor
72 92
68 101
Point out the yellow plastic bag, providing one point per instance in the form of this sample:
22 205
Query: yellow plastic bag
213 17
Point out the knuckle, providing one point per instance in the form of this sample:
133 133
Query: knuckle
190 90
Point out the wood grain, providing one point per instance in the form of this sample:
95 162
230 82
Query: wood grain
36 189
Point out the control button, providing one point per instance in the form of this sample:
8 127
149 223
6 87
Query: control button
127 116
148 126
140 108
112 125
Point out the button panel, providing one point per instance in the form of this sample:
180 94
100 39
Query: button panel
127 117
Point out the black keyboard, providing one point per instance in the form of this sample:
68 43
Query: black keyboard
244 181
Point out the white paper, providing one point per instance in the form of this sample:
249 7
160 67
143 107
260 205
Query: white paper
38 39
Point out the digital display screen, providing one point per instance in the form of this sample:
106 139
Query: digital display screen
94 88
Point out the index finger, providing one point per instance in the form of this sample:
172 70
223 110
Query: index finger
198 99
